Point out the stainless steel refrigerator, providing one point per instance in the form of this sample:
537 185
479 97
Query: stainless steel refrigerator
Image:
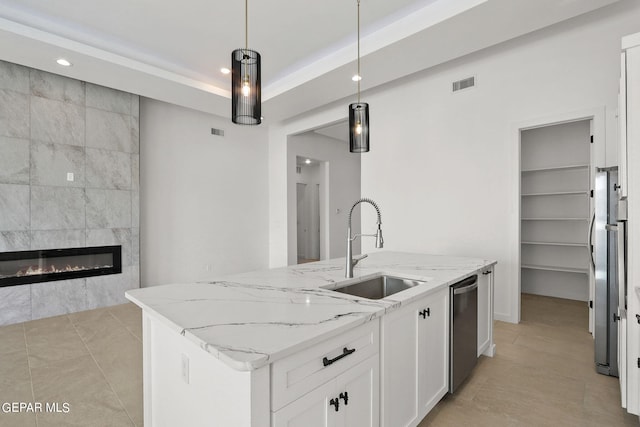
607 239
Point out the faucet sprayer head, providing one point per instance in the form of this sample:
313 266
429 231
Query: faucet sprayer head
379 239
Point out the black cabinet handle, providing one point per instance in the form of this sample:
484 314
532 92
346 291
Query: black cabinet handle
335 402
345 396
638 317
484 273
345 352
425 313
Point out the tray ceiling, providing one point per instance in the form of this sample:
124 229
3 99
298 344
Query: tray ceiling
173 51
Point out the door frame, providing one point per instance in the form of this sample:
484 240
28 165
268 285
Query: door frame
597 115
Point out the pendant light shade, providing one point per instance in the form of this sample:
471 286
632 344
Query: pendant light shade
359 127
358 113
245 87
245 81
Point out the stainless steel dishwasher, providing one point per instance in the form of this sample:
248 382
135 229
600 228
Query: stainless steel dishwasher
463 338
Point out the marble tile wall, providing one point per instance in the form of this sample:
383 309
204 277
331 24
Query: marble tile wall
51 126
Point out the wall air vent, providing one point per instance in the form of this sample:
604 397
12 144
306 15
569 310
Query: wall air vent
464 84
218 132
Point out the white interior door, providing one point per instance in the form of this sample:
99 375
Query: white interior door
302 219
314 232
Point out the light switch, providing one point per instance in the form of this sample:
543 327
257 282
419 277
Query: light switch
70 176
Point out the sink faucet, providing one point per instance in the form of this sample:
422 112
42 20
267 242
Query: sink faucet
351 261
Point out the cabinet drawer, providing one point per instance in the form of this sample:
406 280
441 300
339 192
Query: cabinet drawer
302 372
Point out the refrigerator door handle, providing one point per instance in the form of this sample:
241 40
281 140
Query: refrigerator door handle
622 270
593 262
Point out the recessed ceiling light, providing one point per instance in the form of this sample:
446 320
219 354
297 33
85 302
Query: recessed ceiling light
225 70
308 161
356 78
63 62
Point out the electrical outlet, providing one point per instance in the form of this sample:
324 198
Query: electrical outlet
70 176
185 368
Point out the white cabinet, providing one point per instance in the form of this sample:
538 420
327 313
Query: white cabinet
433 351
622 129
415 356
358 391
334 383
629 328
298 374
485 313
349 400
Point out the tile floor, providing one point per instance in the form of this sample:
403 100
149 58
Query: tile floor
542 374
91 360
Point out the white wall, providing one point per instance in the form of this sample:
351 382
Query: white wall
342 179
203 198
444 166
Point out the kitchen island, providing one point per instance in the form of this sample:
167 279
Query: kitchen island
247 349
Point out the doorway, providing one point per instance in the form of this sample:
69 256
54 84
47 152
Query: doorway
308 178
555 213
335 189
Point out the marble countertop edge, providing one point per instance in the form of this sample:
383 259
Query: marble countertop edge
329 313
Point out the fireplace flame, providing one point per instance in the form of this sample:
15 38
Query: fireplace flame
34 270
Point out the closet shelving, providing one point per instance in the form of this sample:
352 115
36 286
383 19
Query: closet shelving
556 168
556 268
555 210
557 193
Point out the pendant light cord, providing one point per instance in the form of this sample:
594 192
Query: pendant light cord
246 40
359 75
246 24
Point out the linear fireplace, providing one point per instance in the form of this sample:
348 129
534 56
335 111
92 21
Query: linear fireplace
22 267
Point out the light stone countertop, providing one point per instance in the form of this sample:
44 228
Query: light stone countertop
251 319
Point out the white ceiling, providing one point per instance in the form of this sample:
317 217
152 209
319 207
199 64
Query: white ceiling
173 51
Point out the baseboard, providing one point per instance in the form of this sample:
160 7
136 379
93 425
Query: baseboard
504 317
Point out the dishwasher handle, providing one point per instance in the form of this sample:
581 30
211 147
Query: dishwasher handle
465 289
466 285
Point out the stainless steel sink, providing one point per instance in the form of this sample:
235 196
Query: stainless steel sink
379 287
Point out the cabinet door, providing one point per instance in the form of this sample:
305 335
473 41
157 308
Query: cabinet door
358 393
485 312
622 358
622 129
433 351
311 410
399 367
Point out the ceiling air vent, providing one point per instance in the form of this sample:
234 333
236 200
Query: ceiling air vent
464 84
218 132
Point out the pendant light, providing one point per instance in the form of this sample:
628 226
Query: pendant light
358 113
245 81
